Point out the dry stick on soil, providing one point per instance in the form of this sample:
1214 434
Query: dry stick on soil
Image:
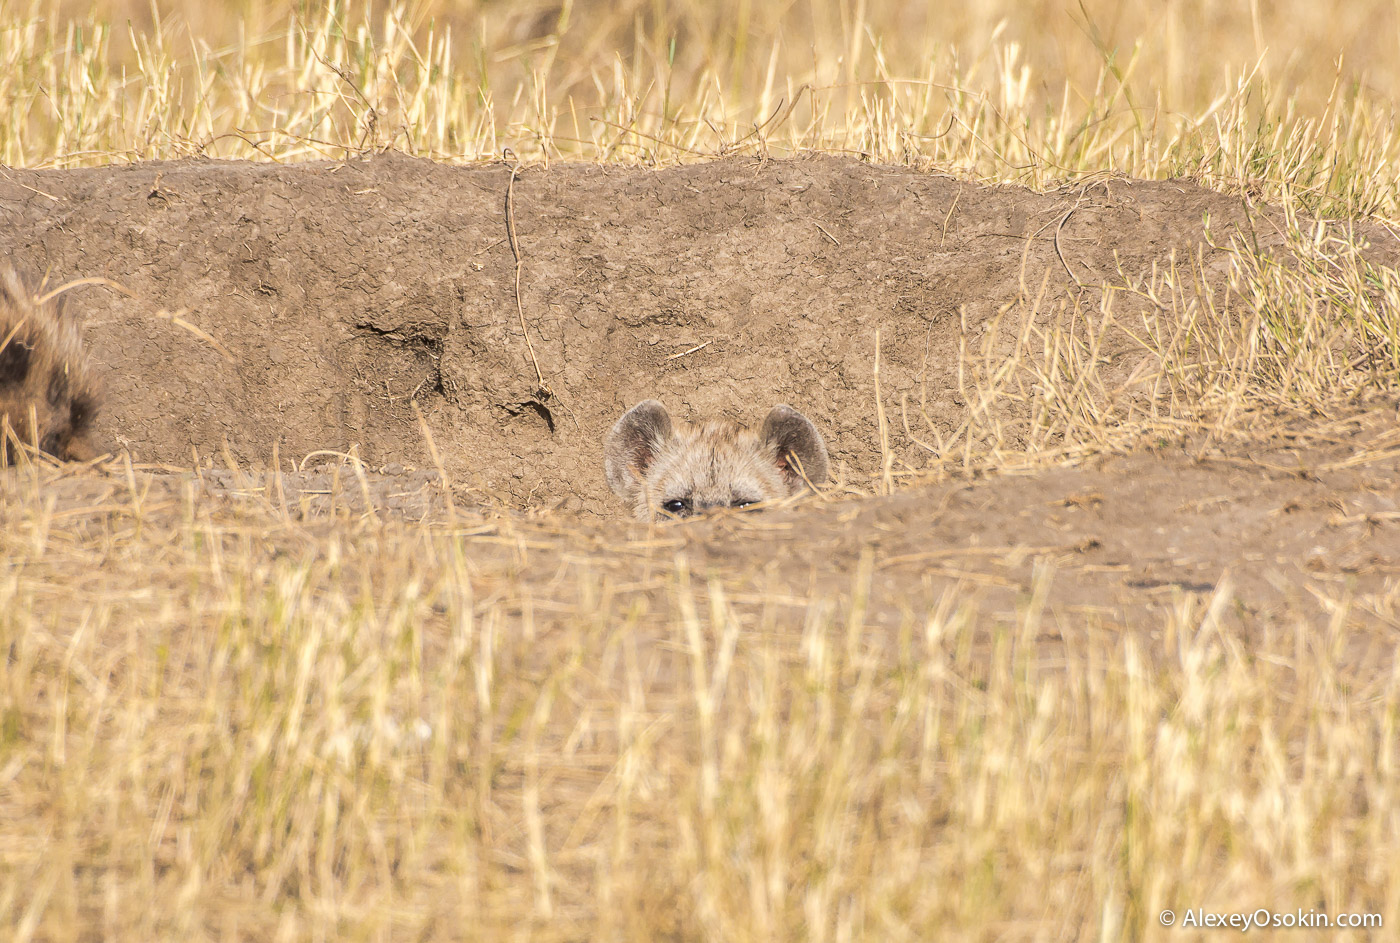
886 456
519 265
834 240
956 197
177 318
1068 271
24 186
691 350
543 393
94 280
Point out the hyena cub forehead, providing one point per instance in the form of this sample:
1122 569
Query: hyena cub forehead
47 395
665 470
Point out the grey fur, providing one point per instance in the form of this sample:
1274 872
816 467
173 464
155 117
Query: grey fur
664 470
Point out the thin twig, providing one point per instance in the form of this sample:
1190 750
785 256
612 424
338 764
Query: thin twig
886 456
642 134
372 124
691 351
956 197
761 128
1063 220
828 235
519 265
28 187
175 317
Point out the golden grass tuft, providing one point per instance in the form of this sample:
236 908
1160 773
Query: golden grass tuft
1293 98
1301 331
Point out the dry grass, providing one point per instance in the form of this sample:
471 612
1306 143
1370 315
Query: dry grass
344 731
1305 328
220 724
1290 98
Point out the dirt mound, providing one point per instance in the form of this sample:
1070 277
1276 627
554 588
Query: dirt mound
337 294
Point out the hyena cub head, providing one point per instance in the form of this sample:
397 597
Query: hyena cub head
47 394
667 471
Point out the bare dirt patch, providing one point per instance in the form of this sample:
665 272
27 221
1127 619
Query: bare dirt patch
342 292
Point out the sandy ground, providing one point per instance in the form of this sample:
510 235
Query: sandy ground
333 295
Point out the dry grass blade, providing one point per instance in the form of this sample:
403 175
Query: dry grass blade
77 282
177 318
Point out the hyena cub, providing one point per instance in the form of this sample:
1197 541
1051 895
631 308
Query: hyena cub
47 394
667 472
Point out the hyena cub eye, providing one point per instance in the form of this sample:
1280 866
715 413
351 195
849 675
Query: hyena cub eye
685 507
667 472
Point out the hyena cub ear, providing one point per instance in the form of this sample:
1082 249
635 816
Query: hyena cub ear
796 445
633 444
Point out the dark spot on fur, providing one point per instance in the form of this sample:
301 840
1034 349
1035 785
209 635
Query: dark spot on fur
52 443
14 363
81 412
58 388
